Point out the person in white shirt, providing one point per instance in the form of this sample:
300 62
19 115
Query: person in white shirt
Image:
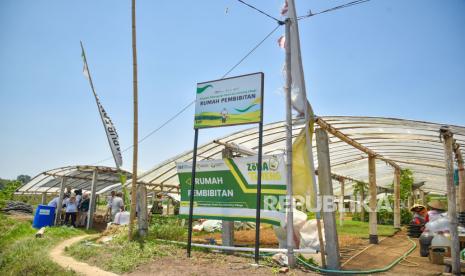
117 205
71 210
54 202
109 202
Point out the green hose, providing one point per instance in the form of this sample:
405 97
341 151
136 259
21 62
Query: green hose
378 270
303 262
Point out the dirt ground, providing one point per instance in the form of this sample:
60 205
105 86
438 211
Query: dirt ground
208 264
69 263
242 238
377 256
267 238
388 250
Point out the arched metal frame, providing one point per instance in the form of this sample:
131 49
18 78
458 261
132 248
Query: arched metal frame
413 145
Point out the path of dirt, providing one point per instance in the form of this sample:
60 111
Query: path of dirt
204 264
387 251
69 263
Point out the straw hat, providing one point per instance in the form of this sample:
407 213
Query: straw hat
417 208
438 205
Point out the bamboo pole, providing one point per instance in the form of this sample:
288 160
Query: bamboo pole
373 199
397 198
135 134
447 137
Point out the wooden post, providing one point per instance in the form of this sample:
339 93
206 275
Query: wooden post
341 202
90 213
227 227
44 198
168 201
142 217
60 201
447 137
362 204
457 197
326 192
422 197
373 199
397 198
461 180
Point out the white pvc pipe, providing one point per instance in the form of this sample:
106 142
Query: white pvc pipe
244 249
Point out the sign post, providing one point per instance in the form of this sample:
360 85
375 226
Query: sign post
226 102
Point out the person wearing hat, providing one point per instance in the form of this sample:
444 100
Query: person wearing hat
420 214
437 209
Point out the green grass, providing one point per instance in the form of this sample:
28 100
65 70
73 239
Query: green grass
119 255
23 254
361 229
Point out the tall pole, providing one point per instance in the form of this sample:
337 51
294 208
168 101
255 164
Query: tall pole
373 200
447 137
397 198
296 60
135 135
259 178
290 215
191 195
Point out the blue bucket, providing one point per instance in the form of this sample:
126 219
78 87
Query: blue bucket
45 216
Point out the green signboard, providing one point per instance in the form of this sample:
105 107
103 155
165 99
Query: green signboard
227 189
231 101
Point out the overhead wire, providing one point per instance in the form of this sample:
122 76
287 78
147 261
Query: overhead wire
346 5
192 102
280 22
260 11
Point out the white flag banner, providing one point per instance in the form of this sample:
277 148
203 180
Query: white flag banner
110 129
111 134
298 92
300 102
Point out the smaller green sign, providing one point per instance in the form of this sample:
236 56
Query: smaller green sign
231 101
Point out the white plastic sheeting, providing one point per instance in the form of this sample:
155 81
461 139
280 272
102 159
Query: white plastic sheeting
78 177
411 144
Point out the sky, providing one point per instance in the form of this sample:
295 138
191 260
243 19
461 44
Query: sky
396 58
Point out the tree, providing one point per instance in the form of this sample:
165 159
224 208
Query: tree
406 183
23 178
8 190
361 188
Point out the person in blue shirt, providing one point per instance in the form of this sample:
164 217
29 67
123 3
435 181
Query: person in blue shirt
71 210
